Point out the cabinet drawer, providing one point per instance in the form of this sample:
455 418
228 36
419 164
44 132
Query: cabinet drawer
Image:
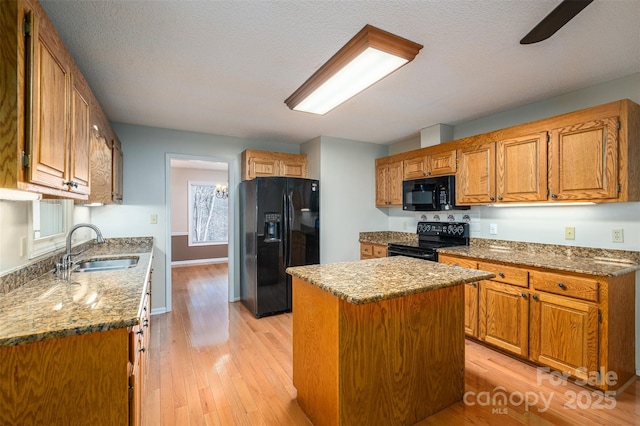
379 251
506 274
579 288
456 261
366 249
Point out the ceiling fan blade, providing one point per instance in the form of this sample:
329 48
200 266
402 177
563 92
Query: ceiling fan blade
562 14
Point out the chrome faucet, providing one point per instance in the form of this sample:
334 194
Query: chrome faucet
66 259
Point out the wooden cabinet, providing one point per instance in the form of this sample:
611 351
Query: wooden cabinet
370 251
58 139
471 294
265 163
564 334
106 162
475 183
433 164
583 161
574 323
509 170
388 183
117 162
504 317
46 109
95 378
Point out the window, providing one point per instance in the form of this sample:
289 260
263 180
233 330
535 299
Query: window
50 220
208 213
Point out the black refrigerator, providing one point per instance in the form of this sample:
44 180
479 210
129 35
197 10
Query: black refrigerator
279 227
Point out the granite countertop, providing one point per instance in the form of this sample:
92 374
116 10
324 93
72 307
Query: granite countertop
583 260
66 304
372 280
386 237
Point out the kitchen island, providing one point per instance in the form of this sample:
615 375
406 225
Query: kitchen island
378 341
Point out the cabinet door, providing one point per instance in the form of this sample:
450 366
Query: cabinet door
521 167
117 161
101 170
475 183
263 166
79 154
442 164
382 185
294 166
49 113
564 334
415 168
583 161
471 309
504 316
395 184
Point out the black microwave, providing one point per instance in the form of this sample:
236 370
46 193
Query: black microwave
430 194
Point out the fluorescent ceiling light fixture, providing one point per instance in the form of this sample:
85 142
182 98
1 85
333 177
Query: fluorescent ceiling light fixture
587 203
367 58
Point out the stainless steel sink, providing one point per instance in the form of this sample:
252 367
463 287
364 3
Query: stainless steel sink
94 265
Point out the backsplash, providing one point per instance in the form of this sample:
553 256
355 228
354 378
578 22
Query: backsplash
16 279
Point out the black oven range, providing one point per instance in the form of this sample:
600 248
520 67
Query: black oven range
431 236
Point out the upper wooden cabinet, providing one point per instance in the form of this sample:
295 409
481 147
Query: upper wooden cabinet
45 110
513 169
117 163
433 164
583 161
265 163
586 155
475 182
388 183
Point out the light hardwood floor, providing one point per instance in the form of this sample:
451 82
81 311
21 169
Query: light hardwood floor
212 362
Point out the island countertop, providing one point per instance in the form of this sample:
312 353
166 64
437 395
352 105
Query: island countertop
53 306
372 280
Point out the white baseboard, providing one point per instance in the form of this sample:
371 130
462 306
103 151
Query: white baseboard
158 311
179 263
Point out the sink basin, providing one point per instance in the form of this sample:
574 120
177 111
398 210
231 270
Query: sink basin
94 265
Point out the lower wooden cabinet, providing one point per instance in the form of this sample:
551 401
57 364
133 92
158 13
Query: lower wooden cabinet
564 334
95 378
504 317
370 251
580 325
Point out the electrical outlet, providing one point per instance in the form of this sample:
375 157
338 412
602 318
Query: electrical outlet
153 219
493 229
569 233
617 235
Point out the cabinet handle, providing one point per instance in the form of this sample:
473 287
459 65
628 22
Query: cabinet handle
523 295
142 349
562 286
149 293
501 274
140 332
535 297
71 184
145 323
554 196
474 284
428 173
492 199
499 197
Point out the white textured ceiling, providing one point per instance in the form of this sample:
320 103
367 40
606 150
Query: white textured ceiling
226 67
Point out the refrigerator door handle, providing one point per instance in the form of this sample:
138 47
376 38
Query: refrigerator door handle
289 228
285 231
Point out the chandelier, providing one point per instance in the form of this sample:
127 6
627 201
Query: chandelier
222 191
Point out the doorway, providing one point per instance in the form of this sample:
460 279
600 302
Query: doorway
199 215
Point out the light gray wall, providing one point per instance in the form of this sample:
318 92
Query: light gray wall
145 150
408 144
347 197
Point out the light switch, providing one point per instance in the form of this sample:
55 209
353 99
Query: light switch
493 229
153 219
